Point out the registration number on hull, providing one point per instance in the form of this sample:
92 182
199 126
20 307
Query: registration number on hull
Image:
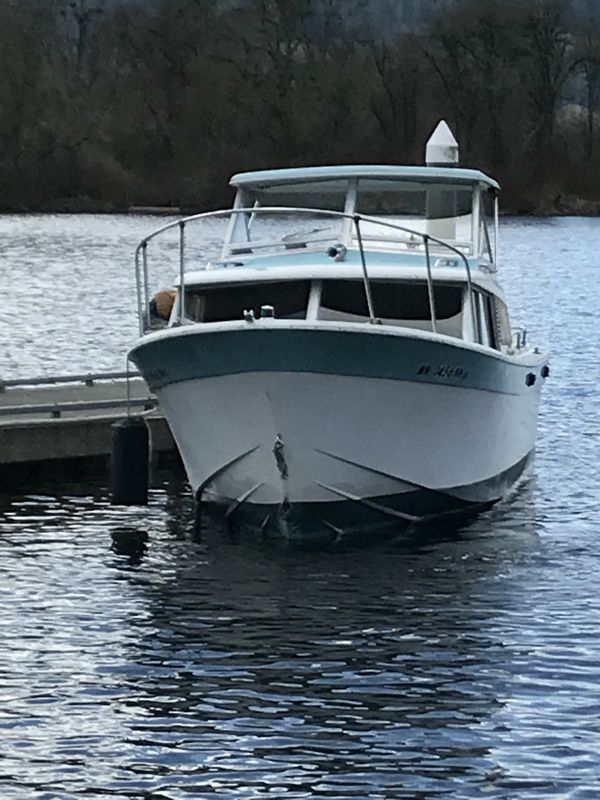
443 371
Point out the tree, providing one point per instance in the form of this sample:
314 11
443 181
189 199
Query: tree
474 53
548 62
396 67
587 62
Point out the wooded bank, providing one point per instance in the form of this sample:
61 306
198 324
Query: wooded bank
107 105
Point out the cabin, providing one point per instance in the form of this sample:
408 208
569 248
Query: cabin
412 247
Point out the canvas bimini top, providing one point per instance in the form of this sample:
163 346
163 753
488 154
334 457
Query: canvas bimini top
436 175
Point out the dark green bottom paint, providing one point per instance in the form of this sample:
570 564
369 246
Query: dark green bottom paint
329 521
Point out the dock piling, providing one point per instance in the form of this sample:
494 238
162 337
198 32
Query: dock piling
129 469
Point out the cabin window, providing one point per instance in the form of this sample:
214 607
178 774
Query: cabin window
221 303
326 194
375 201
392 198
402 304
261 232
484 320
486 232
489 316
438 209
501 322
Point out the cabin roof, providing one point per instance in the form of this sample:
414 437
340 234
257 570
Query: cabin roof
443 175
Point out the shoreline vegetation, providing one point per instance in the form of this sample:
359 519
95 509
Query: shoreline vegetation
578 208
114 105
559 206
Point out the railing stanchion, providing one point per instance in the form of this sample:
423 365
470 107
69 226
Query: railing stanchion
363 262
146 297
496 234
138 291
181 272
430 285
127 363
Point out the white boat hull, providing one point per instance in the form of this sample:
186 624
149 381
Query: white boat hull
295 450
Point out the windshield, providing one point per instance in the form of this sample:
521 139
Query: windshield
252 233
329 195
441 210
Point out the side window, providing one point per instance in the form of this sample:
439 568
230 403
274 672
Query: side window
478 319
501 322
485 330
484 321
489 317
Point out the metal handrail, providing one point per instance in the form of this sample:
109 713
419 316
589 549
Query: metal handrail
88 378
426 238
57 409
430 286
181 271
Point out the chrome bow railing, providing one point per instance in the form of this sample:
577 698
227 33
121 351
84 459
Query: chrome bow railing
247 247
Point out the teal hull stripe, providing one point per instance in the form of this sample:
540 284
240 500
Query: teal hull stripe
168 360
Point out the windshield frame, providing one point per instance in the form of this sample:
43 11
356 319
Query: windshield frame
349 190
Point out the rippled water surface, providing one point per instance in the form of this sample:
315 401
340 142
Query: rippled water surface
140 659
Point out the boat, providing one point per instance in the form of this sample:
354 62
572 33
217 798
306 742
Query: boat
337 355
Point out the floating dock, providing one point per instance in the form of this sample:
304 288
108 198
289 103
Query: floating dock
46 423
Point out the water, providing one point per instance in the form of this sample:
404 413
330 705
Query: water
140 660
